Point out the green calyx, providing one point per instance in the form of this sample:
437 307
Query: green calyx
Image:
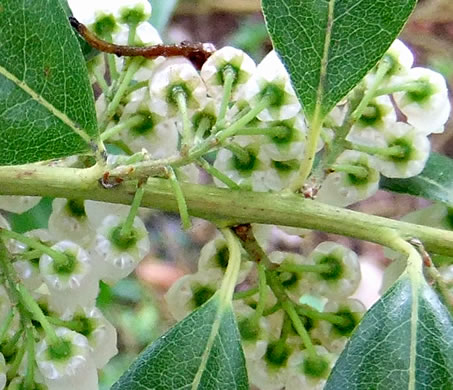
76 208
277 354
60 351
133 16
146 125
123 241
336 268
178 89
222 256
404 150
315 367
105 25
67 266
421 92
245 165
350 321
201 294
249 329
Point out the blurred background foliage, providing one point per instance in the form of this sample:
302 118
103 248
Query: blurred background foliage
135 305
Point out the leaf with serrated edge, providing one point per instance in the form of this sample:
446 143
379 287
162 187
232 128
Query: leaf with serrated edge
328 46
46 101
405 341
203 351
435 182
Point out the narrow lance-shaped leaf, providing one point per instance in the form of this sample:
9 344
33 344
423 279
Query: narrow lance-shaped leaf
434 183
405 341
46 101
203 351
329 45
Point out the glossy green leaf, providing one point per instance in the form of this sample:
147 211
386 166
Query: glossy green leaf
46 102
203 352
405 341
328 46
434 183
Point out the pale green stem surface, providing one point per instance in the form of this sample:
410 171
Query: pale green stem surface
229 76
234 265
133 211
128 123
180 200
217 204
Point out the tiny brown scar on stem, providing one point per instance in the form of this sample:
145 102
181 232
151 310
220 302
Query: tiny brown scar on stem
197 53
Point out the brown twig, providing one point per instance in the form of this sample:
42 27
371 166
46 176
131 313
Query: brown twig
197 53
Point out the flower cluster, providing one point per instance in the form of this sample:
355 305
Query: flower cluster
276 355
295 316
60 269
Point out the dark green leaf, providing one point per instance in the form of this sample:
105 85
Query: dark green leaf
405 341
161 13
88 51
46 101
203 352
328 46
434 183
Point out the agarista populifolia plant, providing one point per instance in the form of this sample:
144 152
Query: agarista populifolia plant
280 147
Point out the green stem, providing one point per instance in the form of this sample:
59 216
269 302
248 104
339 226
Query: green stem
246 294
180 200
243 121
11 346
187 131
132 34
14 367
238 151
37 314
290 310
405 87
133 211
357 171
6 324
125 80
370 93
217 204
234 265
307 311
130 122
135 87
111 61
217 174
59 258
31 254
306 166
30 348
301 268
202 128
274 131
393 151
229 76
263 293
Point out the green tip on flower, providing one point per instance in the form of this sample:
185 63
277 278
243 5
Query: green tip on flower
222 256
60 350
67 267
133 16
123 242
248 329
315 367
277 354
105 25
350 321
336 268
76 208
422 92
202 294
